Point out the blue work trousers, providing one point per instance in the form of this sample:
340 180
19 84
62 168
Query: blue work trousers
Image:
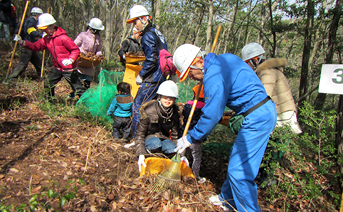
239 189
145 93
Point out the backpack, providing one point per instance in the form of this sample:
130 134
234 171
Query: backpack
166 60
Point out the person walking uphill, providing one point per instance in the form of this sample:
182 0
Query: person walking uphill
31 34
277 87
150 77
276 84
64 54
229 81
89 41
5 18
159 124
130 44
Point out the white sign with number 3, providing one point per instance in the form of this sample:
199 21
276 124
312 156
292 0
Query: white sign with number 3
331 79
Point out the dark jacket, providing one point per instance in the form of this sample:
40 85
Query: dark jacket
5 11
196 115
151 71
128 45
60 46
154 122
29 31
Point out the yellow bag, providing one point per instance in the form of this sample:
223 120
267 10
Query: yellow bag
156 165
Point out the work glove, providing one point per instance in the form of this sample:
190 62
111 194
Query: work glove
44 34
182 144
67 62
139 80
184 160
18 39
141 162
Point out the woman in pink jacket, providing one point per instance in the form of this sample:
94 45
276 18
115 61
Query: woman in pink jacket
89 41
64 54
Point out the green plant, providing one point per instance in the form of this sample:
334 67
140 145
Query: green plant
310 166
43 201
112 65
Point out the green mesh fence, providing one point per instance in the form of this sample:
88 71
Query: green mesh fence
97 99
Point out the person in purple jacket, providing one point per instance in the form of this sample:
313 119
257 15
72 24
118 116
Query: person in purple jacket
89 41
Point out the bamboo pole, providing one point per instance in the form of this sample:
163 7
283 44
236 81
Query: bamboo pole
16 43
200 87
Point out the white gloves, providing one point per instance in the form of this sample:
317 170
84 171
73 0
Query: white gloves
141 162
184 160
18 39
44 34
182 144
67 62
139 80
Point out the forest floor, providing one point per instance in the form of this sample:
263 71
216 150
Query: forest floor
54 157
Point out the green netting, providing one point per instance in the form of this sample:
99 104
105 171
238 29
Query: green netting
97 99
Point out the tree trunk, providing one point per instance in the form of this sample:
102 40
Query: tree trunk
198 28
231 24
157 13
303 88
209 26
331 47
272 28
248 23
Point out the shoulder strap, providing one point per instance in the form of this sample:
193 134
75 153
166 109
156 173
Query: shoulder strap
160 46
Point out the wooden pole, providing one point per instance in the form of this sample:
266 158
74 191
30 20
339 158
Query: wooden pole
16 43
42 70
200 87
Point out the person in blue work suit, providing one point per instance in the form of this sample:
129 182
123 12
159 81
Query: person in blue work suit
229 81
150 76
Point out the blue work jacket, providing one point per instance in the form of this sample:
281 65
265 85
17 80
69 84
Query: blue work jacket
151 71
228 81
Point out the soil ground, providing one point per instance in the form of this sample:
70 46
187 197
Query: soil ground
41 152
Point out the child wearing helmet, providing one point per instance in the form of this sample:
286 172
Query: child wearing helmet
157 130
195 149
89 42
130 44
64 54
121 108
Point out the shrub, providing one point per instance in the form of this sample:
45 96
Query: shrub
310 167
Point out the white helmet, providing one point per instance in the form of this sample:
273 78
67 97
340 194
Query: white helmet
184 56
137 11
36 10
96 23
45 20
252 50
168 88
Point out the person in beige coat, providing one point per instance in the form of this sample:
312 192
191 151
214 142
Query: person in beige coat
270 72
